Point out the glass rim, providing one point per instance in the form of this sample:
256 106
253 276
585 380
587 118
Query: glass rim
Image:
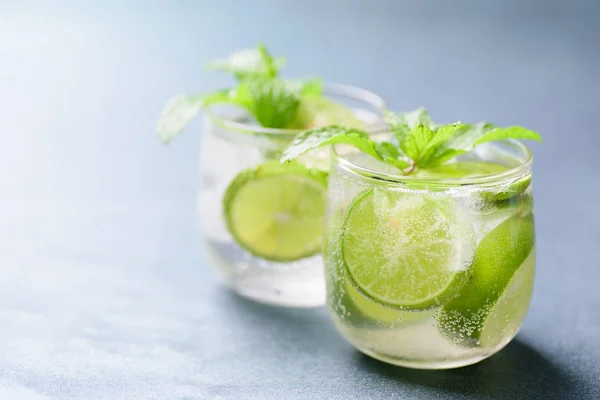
382 177
329 88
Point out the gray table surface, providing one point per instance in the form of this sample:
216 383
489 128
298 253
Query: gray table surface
104 292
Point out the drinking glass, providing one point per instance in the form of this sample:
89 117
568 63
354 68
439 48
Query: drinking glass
429 272
262 223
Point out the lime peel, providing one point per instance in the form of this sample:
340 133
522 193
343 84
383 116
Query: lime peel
498 257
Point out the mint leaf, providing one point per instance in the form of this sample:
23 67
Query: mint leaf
444 133
441 135
422 142
415 142
390 154
387 149
470 135
250 63
178 113
461 142
401 124
273 102
181 110
270 64
334 134
512 132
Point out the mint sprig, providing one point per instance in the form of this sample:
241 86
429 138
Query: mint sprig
272 101
419 142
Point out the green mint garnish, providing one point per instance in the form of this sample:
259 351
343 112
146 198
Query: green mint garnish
272 101
470 135
419 143
177 114
333 134
402 123
250 63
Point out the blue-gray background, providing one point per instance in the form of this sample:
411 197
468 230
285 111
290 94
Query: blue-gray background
104 293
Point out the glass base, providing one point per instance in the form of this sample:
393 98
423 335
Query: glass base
433 363
298 284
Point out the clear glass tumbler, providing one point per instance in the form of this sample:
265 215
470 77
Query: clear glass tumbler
262 224
426 272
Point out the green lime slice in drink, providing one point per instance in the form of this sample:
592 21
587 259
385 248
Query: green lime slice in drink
484 308
276 211
506 193
511 308
470 169
374 312
354 305
407 250
320 111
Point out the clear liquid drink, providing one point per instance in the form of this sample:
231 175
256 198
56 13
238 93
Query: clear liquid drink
434 270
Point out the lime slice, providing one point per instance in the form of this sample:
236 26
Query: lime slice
348 300
314 112
483 308
470 169
373 312
407 250
276 211
512 306
513 190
